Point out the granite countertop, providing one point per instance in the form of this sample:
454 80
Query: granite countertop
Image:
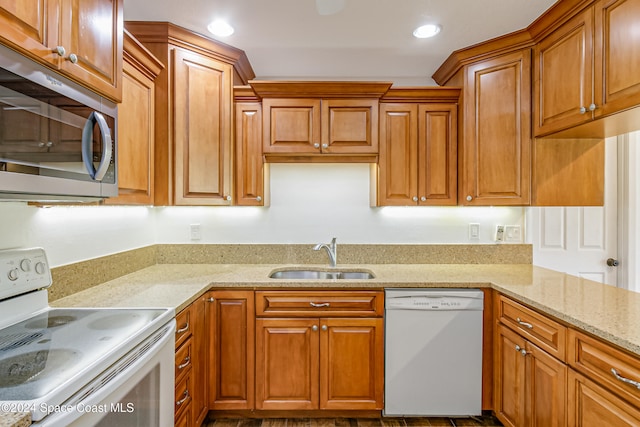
15 419
605 311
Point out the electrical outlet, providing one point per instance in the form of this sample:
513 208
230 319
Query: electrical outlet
194 232
474 231
499 233
512 234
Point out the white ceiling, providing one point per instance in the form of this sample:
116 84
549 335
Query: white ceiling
367 39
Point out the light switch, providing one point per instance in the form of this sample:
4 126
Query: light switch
474 231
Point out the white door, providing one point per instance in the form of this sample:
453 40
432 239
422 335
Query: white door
580 240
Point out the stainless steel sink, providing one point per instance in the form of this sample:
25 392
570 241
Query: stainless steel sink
322 274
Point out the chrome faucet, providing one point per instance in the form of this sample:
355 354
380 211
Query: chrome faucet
332 251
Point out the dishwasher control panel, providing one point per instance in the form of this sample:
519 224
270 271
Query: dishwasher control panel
425 299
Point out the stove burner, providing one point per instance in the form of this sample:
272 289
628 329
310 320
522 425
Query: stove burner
27 367
111 322
52 322
11 342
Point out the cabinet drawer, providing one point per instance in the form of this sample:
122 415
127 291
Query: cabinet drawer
537 328
183 360
183 396
183 326
597 360
320 303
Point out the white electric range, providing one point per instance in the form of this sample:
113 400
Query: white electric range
80 366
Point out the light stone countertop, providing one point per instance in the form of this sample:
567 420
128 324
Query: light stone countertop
15 419
605 311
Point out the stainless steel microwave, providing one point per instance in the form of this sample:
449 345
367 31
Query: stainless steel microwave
57 138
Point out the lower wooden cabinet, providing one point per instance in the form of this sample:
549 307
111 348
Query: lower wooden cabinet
327 353
314 363
231 349
530 385
191 365
590 405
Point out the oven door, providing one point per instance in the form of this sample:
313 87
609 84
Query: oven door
136 391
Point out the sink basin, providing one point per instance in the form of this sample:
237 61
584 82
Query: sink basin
322 274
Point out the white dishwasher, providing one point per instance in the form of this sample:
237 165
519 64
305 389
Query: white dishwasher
433 352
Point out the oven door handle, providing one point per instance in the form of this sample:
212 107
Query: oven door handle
87 146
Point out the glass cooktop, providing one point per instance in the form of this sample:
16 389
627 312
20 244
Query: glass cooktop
47 350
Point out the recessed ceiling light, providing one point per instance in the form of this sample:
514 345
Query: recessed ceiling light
426 31
220 28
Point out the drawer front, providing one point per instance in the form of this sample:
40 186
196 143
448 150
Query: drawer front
183 326
183 360
598 361
320 303
183 396
537 328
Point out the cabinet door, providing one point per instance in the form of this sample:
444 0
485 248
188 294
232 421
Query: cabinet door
231 349
496 145
287 358
590 405
563 76
398 162
509 383
202 129
352 364
31 26
136 136
349 126
291 125
92 30
547 389
437 154
249 166
199 343
617 59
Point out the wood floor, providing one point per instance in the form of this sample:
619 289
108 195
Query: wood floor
353 422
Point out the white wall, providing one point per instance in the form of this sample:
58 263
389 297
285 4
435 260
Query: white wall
310 203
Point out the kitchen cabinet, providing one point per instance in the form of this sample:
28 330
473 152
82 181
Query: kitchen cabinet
249 165
231 349
136 133
320 121
603 383
418 154
585 70
319 350
65 35
194 114
191 364
530 381
495 140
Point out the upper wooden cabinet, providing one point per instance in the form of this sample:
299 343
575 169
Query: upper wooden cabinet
418 147
585 69
249 165
194 114
495 139
320 121
136 126
81 39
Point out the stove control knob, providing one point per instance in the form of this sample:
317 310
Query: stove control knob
25 264
41 268
13 274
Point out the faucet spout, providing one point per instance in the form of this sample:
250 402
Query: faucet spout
332 251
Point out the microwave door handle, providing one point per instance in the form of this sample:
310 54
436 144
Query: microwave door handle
87 146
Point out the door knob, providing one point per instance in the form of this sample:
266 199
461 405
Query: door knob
612 262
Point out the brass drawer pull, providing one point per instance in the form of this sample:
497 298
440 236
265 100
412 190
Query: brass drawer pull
319 305
525 324
181 401
619 377
187 361
185 328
